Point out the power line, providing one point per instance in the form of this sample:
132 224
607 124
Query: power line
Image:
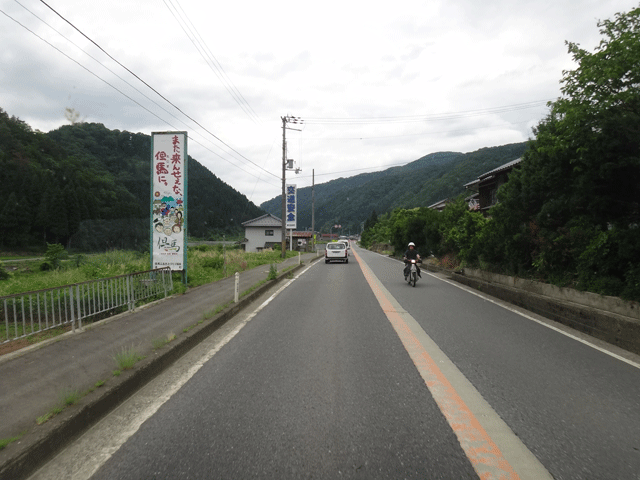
150 87
133 100
357 170
413 134
122 79
424 118
204 51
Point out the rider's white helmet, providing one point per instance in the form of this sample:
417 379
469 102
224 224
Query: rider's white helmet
411 244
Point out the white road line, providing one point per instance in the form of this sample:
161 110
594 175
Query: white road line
93 449
529 317
493 449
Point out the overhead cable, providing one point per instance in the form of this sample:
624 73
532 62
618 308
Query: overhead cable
155 91
130 98
424 118
204 51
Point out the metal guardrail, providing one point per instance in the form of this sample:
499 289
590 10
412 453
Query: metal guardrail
24 314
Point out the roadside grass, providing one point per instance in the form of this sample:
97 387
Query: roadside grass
126 358
273 272
160 342
9 331
4 442
66 398
254 287
129 356
214 311
28 277
206 264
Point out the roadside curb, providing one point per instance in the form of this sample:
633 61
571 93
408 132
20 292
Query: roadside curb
613 328
23 457
620 330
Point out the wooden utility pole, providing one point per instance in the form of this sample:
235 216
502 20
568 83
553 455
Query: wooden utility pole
313 210
285 120
284 172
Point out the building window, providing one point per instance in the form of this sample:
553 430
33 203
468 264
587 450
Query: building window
268 233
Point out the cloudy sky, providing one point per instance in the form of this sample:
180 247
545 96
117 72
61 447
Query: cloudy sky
376 85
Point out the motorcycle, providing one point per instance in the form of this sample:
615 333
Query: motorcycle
411 271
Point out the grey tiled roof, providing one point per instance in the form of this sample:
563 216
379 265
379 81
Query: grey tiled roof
501 168
267 220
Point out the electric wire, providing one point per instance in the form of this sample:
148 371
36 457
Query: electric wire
198 42
154 90
123 93
423 118
308 120
102 65
420 134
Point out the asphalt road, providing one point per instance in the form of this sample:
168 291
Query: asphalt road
351 373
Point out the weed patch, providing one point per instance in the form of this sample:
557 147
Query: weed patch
67 397
162 341
4 442
273 272
127 358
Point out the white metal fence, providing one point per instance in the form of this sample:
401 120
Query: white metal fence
27 313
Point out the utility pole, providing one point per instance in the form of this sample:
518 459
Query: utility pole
313 210
285 120
284 166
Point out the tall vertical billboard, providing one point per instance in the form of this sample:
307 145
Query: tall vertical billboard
291 206
169 200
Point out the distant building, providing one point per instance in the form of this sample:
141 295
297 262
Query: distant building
329 236
485 187
262 232
439 206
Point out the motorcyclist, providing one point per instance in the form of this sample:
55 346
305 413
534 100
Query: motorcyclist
411 254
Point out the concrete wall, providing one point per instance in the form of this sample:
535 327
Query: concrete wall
611 319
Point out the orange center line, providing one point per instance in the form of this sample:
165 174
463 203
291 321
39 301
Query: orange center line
484 455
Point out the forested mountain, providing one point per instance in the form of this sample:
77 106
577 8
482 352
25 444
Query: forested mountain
88 187
423 182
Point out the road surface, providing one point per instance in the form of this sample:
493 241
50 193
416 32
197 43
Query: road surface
348 372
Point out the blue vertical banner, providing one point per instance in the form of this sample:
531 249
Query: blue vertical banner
169 200
291 207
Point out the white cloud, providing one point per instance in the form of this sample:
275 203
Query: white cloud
352 60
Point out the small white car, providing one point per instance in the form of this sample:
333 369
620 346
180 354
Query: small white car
336 251
346 242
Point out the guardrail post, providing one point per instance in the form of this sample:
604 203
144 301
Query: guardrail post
129 292
71 307
78 306
166 276
237 288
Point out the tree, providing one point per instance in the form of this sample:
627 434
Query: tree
14 218
571 212
371 221
601 118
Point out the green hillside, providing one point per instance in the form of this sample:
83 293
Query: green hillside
87 187
423 182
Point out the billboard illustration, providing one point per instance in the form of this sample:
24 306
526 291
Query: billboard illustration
169 200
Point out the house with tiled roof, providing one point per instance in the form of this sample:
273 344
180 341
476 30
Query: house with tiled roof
485 187
262 232
439 206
